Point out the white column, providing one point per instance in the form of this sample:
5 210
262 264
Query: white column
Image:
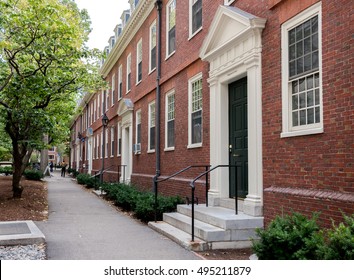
253 204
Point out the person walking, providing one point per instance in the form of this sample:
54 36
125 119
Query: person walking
63 168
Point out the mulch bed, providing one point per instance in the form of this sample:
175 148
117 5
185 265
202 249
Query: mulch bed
32 205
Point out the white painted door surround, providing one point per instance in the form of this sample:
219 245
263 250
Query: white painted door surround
233 47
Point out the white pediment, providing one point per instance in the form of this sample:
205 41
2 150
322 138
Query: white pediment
228 25
125 105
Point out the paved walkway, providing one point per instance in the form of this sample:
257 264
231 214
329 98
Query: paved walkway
82 226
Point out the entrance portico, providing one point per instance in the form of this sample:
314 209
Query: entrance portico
233 48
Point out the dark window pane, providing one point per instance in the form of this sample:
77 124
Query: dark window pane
171 133
292 36
197 127
302 117
300 65
317 112
138 136
307 45
152 138
292 68
153 58
295 102
172 40
315 60
197 15
310 116
140 71
295 118
310 100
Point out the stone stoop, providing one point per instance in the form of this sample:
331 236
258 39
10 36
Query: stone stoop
214 227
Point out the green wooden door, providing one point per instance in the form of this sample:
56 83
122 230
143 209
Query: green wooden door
238 149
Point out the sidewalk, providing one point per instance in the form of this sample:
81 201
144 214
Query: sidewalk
82 226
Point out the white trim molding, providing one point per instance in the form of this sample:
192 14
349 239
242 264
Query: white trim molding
233 54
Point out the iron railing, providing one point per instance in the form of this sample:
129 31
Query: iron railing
192 185
119 171
156 181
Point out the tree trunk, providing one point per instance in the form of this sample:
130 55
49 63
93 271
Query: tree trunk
21 157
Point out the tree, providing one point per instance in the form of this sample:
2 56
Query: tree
44 63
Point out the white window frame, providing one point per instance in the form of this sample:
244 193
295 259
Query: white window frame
191 33
228 2
151 124
119 137
129 71
113 89
169 118
288 130
120 82
190 111
153 44
139 59
169 4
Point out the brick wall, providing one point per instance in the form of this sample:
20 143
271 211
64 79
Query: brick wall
323 163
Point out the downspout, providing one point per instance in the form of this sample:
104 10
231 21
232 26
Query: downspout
158 5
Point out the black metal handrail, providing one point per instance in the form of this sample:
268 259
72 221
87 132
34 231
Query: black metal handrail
156 181
192 185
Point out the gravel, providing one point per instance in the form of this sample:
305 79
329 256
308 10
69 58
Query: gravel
23 252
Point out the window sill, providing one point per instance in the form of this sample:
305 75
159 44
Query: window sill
169 149
151 71
191 36
301 132
193 146
151 151
169 55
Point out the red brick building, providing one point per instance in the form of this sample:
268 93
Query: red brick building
266 86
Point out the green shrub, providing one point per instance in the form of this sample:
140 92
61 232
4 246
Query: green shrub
110 189
292 237
126 196
145 206
82 178
35 175
339 241
142 203
7 170
88 180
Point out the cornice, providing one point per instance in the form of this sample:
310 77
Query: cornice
134 24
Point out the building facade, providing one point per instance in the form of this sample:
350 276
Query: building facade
264 87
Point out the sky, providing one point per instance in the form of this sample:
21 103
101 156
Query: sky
105 15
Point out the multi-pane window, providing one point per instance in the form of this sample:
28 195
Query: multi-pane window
302 95
120 81
152 126
196 16
138 127
153 46
170 120
171 27
113 90
106 106
129 72
139 61
195 109
106 144
119 139
112 140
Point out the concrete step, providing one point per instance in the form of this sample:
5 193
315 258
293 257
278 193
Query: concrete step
179 236
202 230
221 217
230 203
